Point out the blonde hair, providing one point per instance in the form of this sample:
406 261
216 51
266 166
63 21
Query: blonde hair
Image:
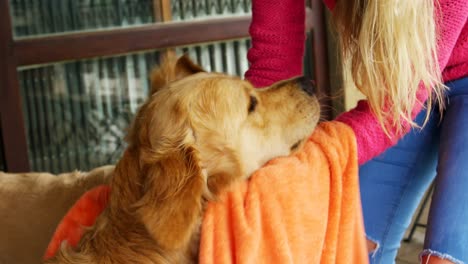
389 49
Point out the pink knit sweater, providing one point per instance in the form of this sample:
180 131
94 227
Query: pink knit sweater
277 32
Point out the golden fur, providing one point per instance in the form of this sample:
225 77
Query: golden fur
196 134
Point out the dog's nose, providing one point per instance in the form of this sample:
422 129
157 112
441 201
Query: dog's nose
306 85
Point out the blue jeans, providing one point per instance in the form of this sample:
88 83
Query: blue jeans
393 184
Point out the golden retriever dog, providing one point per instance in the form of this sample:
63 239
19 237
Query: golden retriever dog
196 134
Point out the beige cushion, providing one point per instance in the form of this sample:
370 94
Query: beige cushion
31 206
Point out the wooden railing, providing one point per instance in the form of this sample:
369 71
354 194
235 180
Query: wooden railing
74 46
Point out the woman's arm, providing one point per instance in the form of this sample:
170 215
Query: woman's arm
278 36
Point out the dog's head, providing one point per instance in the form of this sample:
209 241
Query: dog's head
233 127
198 132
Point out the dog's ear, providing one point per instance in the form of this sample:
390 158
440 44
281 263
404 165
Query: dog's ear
172 69
171 205
171 180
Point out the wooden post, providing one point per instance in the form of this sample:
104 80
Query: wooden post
162 14
11 113
162 10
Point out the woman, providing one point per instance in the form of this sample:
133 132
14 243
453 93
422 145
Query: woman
399 54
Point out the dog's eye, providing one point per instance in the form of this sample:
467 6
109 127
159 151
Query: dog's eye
296 145
252 104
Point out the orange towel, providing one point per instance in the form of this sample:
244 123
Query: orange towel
300 209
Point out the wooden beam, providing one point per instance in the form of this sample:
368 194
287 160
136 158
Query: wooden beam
76 46
11 114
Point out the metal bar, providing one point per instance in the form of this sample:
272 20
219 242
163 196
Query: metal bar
117 41
11 113
321 56
423 205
